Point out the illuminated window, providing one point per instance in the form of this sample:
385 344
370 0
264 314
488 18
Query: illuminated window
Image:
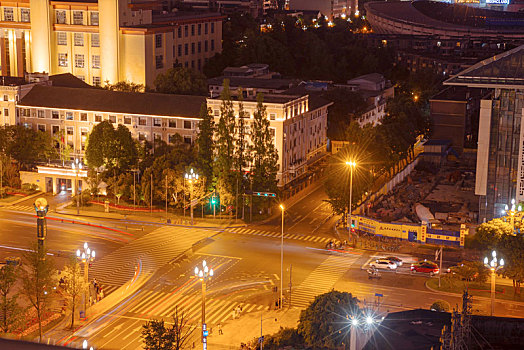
70 130
142 121
62 60
55 115
83 117
25 15
40 113
127 120
95 61
8 14
95 40
157 122
79 61
79 39
94 18
97 81
60 16
98 118
69 115
61 38
78 17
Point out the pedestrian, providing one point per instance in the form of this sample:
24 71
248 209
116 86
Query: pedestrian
220 329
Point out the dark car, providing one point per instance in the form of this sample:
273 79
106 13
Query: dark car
394 259
425 267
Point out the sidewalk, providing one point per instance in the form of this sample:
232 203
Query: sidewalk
247 327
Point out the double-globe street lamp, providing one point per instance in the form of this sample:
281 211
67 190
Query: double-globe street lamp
352 164
494 265
77 167
204 274
281 258
191 177
86 257
362 323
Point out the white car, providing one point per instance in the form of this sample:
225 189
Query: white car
383 264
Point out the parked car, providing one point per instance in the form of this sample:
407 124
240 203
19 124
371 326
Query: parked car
425 267
383 264
394 259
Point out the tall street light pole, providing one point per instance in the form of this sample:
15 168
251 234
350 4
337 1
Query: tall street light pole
191 177
86 257
204 274
281 258
77 166
494 265
351 165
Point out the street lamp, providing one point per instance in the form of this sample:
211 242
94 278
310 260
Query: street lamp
77 166
86 257
281 257
204 275
352 166
191 177
494 265
511 211
364 324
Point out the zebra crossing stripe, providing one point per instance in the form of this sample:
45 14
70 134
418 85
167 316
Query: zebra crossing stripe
146 307
260 307
217 311
224 313
249 309
170 310
142 300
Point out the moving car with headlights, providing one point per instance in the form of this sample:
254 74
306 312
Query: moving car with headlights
383 264
425 267
394 259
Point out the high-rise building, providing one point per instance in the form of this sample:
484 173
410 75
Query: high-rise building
104 40
500 154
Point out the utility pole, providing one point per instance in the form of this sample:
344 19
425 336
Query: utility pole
290 273
166 197
151 209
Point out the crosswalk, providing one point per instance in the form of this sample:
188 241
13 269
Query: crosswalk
321 280
296 236
144 255
24 208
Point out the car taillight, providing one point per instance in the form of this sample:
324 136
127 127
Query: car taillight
436 270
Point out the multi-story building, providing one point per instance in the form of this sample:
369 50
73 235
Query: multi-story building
329 8
104 40
500 154
298 124
74 111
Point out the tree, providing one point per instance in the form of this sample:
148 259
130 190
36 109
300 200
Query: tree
38 281
64 149
156 336
225 147
74 285
489 234
125 86
264 153
205 143
28 146
183 81
440 306
324 324
241 158
11 314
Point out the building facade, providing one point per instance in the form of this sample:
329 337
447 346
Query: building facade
500 154
299 127
104 40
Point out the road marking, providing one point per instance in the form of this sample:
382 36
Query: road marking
133 331
276 277
219 256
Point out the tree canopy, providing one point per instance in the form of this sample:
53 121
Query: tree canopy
183 81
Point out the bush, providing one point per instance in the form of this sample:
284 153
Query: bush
440 306
29 188
283 338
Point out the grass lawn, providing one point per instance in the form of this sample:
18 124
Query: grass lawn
9 199
474 288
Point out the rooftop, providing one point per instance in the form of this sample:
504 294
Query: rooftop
373 77
261 83
456 93
101 100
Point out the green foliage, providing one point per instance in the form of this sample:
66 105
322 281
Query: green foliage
74 285
38 281
471 271
125 86
205 143
183 81
345 103
11 313
440 306
156 336
325 323
489 234
285 337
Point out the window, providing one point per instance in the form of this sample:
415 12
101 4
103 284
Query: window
40 113
8 14
62 60
69 115
172 123
199 28
187 139
79 39
186 64
95 40
55 115
159 61
70 130
157 122
180 50
61 38
199 47
6 112
83 117
186 49
205 28
55 129
186 31
192 48
79 61
83 131
172 138
95 61
112 119
97 81
272 116
25 15
98 118
205 46
142 121
60 16
78 17
179 32
157 136
192 30
216 113
158 40
142 136
212 27
193 64
199 64
6 98
93 18
187 124
212 44
127 120
41 127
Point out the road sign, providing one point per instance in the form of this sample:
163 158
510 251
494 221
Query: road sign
260 339
379 295
205 333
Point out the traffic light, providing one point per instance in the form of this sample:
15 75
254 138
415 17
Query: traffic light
213 200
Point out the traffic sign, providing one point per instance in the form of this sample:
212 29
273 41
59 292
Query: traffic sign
260 339
379 295
205 333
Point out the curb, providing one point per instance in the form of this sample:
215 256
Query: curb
22 199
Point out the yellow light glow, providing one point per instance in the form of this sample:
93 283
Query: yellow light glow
351 163
281 206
